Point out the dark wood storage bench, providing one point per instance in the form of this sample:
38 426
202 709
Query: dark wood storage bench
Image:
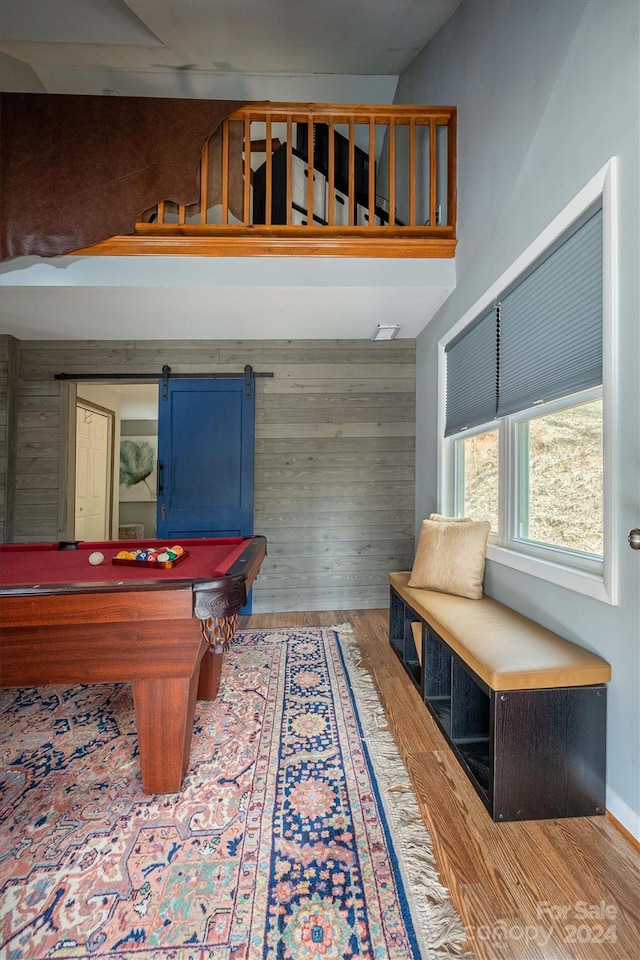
523 709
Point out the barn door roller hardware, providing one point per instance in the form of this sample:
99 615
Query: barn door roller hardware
248 375
164 393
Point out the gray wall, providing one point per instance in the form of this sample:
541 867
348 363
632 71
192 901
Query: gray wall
334 467
547 91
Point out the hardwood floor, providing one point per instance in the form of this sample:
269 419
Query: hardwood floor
535 890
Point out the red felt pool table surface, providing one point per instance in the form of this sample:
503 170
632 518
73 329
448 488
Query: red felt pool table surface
63 620
28 564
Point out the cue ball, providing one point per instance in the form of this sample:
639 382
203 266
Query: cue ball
96 558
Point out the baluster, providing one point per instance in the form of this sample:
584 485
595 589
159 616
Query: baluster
412 172
310 169
331 172
247 217
269 174
392 171
225 171
352 173
372 171
289 182
433 169
204 183
452 187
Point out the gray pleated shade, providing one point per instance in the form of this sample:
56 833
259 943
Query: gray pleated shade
551 325
471 376
542 342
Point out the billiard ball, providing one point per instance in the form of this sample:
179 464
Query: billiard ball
96 558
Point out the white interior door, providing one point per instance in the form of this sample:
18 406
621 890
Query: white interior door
92 471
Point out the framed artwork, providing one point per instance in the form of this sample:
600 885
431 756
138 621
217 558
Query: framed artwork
138 476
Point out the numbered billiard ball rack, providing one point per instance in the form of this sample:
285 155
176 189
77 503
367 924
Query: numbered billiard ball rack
150 564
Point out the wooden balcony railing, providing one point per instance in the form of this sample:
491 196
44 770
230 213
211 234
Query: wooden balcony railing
378 181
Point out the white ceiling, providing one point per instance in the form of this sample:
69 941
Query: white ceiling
128 38
304 50
164 298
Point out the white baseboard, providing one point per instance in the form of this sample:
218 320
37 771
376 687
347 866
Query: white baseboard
623 813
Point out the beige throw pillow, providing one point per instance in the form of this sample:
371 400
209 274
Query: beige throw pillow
450 557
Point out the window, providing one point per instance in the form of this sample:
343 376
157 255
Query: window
476 476
559 461
524 420
553 472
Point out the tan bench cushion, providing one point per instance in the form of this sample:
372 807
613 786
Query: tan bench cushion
505 649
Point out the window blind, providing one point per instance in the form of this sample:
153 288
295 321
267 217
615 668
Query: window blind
471 376
551 325
542 342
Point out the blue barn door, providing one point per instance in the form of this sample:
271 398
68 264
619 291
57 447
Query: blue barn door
205 458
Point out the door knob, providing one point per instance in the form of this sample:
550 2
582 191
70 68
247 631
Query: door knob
634 539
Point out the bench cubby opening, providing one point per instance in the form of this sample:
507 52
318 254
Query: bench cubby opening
436 679
471 725
402 638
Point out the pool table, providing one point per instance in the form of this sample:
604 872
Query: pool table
63 620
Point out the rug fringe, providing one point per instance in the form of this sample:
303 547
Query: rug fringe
441 928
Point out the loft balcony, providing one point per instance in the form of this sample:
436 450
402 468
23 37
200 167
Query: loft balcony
379 181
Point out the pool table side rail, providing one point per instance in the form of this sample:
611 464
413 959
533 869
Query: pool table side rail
251 560
225 597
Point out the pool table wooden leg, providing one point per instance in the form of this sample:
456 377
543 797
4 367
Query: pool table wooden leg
164 718
210 671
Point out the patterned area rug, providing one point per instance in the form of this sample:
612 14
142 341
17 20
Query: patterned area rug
296 834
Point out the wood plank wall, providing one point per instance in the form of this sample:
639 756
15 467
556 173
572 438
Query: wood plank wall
334 467
9 360
4 432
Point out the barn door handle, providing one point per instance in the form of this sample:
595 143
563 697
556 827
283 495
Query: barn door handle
159 469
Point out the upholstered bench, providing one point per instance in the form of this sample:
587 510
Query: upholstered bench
523 708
